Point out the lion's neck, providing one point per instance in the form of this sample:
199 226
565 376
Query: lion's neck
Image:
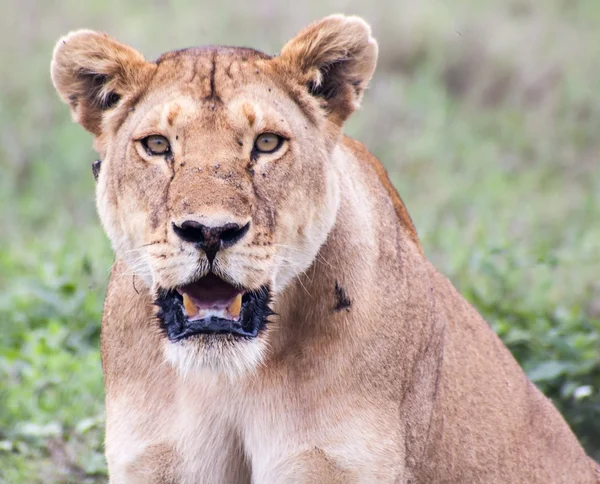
354 281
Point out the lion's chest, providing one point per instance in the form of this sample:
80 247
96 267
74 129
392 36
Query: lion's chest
214 435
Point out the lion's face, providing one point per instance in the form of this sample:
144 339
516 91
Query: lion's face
217 184
215 167
218 177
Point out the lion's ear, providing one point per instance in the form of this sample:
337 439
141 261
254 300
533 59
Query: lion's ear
93 72
335 58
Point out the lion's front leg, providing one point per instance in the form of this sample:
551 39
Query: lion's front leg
172 444
204 462
308 467
156 464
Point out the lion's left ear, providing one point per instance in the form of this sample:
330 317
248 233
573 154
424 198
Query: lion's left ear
335 58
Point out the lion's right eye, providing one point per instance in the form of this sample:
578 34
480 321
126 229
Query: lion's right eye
156 145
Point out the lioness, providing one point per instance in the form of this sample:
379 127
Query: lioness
271 317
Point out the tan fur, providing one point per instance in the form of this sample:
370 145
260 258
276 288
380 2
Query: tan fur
375 370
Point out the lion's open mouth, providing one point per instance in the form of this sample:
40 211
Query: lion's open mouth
212 306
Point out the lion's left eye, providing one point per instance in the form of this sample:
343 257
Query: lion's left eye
268 143
156 145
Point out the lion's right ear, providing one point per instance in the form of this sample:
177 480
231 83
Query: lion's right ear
93 73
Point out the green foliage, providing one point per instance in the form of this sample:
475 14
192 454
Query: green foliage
485 113
51 423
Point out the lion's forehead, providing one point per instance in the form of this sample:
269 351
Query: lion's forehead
216 89
224 51
211 74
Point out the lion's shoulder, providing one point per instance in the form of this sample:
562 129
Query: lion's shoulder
360 151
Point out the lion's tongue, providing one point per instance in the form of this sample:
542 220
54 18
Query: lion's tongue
211 296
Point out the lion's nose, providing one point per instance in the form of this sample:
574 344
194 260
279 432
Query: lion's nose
211 239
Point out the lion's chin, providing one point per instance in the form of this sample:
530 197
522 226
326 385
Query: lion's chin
217 353
211 324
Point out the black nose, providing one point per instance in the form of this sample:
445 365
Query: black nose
210 239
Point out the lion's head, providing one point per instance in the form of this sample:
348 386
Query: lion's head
217 185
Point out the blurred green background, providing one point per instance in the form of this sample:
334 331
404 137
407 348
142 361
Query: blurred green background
485 112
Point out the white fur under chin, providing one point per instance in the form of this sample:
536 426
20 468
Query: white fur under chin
219 355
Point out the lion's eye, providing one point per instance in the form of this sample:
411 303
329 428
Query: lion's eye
156 145
268 143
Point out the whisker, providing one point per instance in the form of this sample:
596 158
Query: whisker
304 287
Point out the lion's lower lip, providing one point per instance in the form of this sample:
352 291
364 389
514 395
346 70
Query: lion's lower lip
214 325
178 326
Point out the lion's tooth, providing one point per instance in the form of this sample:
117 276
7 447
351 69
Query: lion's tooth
202 313
190 307
235 307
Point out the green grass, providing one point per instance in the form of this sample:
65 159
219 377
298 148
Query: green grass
485 113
